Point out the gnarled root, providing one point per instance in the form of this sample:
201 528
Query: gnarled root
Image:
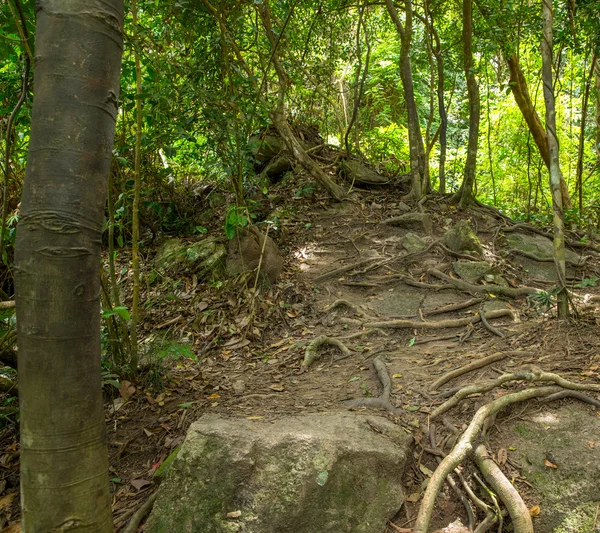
312 353
383 400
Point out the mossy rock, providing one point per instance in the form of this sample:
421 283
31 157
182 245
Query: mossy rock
204 258
312 473
462 239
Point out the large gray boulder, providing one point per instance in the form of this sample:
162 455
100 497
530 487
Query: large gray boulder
325 473
204 258
412 221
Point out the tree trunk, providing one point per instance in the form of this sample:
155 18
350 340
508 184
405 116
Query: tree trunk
584 108
597 109
465 194
419 167
559 225
64 459
518 85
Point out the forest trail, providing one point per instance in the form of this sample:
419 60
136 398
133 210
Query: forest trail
347 272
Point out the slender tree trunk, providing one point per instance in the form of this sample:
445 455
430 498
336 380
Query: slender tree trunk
419 167
559 226
465 194
597 109
584 108
520 90
64 459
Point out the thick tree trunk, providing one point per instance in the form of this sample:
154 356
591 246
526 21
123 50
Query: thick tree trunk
559 225
64 459
465 194
441 107
419 166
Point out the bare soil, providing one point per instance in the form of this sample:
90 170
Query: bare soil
250 346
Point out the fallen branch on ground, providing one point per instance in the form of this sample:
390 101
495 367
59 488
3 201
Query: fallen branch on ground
491 289
347 268
450 323
475 365
383 400
312 353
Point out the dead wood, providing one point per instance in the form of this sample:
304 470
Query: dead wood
439 324
491 289
475 365
519 514
8 305
383 400
464 447
312 350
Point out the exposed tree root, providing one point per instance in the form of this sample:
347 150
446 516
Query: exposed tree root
475 365
140 514
383 400
519 514
539 259
491 289
344 303
572 394
488 326
444 309
438 324
347 268
312 353
533 375
464 447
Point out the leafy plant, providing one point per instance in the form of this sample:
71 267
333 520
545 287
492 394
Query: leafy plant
235 218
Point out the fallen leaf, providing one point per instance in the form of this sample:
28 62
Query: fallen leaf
214 396
234 514
426 470
139 484
148 432
254 417
414 497
126 390
549 464
502 456
277 387
7 499
397 376
535 510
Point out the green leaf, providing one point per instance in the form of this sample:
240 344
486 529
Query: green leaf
412 341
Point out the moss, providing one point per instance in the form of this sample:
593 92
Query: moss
581 520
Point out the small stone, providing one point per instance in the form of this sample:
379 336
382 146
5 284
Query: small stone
239 386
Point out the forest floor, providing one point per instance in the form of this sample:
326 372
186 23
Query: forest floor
250 348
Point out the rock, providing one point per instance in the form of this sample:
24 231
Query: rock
325 473
244 254
471 271
413 243
358 173
570 493
414 221
277 168
541 247
266 147
205 258
461 238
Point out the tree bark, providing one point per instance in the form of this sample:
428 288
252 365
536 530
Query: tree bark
419 167
64 459
597 109
465 194
559 225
